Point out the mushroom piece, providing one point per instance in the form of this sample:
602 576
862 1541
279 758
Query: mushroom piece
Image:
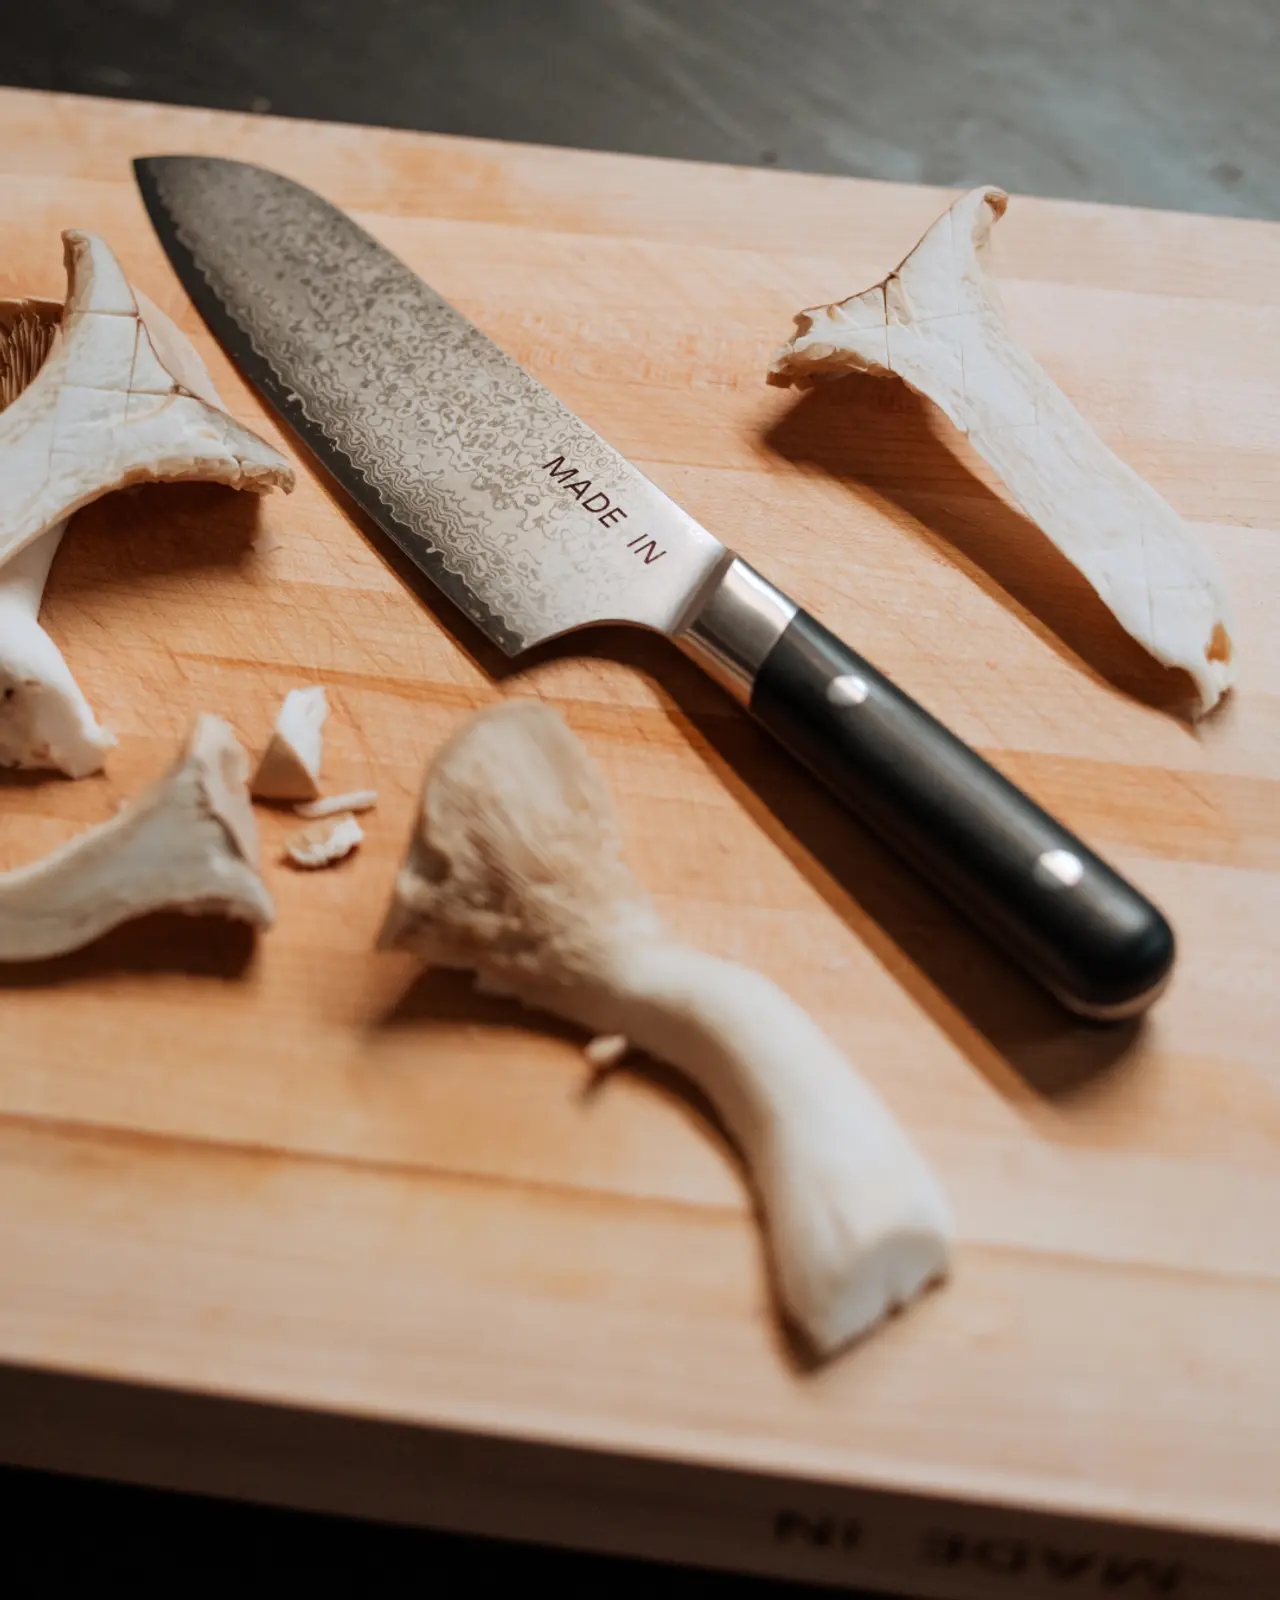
45 720
330 804
188 843
606 1050
290 765
937 323
515 872
325 842
100 393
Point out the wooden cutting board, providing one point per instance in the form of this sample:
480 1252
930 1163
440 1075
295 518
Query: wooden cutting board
303 1175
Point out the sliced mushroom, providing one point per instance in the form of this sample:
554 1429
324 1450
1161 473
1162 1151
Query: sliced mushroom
937 323
94 395
290 765
188 843
515 872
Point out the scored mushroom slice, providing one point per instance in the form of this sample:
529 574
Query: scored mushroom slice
290 765
102 392
515 872
120 397
188 843
937 323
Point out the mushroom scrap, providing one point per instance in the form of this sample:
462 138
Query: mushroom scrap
937 323
290 765
188 843
95 395
515 873
330 805
324 842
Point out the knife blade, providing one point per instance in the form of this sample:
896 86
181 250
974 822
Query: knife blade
534 526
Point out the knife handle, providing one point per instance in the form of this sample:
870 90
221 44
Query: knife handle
1058 909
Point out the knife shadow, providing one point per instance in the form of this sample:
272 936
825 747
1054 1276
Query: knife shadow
951 969
997 1017
886 443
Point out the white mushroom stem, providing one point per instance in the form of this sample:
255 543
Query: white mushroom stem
515 873
103 392
937 323
858 1223
45 719
290 765
188 843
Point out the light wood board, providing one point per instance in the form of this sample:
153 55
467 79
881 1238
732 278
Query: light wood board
304 1174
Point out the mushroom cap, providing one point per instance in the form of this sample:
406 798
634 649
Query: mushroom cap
516 864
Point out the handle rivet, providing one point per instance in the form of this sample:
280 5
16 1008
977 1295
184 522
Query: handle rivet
1059 869
848 690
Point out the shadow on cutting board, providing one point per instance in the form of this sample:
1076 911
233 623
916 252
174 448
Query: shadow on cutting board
161 942
949 968
1001 1021
154 537
434 995
884 441
145 538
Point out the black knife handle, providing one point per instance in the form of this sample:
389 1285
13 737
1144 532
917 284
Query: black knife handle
1057 908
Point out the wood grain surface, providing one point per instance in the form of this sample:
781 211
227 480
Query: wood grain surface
302 1172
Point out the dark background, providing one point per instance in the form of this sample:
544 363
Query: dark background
1145 102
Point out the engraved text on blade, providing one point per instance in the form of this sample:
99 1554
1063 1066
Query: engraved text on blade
452 434
593 499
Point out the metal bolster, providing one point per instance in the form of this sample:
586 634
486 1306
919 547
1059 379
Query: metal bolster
736 627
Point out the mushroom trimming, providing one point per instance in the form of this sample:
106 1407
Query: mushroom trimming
330 804
188 843
937 323
515 873
290 765
95 395
324 842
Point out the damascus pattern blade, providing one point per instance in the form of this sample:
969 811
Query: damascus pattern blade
527 520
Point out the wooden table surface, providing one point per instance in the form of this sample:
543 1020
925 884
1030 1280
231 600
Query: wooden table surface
303 1173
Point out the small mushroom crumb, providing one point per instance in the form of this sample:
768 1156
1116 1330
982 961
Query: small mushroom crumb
290 765
101 393
515 872
937 323
330 804
324 842
188 843
606 1049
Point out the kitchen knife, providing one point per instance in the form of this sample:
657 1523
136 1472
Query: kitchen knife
534 526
